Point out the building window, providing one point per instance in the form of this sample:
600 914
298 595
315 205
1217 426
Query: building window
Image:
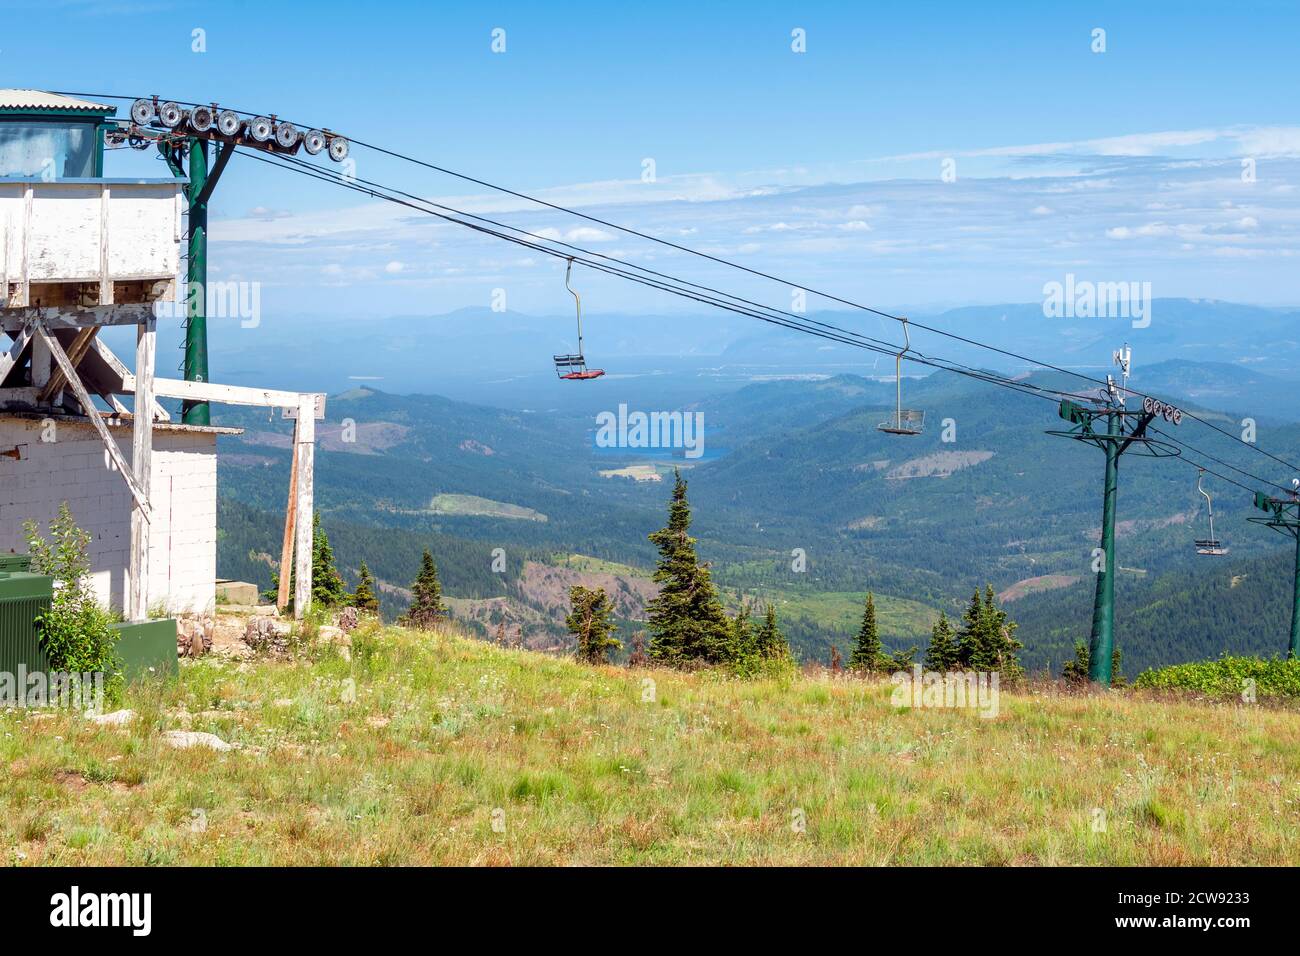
53 149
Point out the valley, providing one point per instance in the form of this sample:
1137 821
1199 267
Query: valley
806 505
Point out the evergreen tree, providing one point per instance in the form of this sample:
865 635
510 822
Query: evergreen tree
942 654
1001 635
426 609
744 643
327 588
866 654
987 640
589 623
364 599
686 620
970 634
769 639
1076 671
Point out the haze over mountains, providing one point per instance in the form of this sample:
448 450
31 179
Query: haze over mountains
795 465
503 359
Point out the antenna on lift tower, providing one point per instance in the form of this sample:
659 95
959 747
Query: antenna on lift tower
1123 358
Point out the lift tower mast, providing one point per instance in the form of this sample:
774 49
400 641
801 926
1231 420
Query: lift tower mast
1108 425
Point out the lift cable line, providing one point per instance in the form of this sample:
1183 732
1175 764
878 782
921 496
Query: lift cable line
778 317
764 313
735 265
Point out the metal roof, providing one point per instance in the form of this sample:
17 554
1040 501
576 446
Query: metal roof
11 100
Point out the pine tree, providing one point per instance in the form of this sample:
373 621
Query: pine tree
941 655
970 636
1076 671
364 599
771 642
589 623
686 620
987 640
426 609
744 643
1001 632
866 654
327 588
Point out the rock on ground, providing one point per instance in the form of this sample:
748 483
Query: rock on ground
183 739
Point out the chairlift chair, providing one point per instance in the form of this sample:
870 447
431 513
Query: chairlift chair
1210 546
906 421
573 367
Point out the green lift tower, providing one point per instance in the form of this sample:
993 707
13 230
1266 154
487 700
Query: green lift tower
1283 515
1115 430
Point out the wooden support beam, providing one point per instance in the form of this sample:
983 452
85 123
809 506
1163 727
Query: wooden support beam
76 352
22 339
231 394
290 511
304 451
141 467
114 363
12 320
115 453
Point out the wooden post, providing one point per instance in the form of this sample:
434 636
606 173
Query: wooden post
304 452
141 466
290 510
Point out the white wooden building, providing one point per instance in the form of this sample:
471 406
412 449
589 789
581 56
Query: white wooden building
78 252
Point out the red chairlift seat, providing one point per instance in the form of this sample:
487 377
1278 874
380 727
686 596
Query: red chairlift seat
573 367
576 366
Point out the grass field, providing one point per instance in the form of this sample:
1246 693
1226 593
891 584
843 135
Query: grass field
435 749
840 612
474 506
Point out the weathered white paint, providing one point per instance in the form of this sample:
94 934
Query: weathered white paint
88 232
304 447
76 468
137 605
232 394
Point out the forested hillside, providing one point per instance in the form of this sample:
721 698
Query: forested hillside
809 506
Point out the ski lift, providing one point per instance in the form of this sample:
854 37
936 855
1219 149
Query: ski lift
573 367
1210 546
906 421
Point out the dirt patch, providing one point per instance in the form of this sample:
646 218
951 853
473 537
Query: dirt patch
939 465
370 438
547 587
1043 582
72 780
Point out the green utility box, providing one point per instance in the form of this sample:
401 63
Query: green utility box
15 562
23 597
148 649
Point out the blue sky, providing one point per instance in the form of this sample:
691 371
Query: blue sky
825 166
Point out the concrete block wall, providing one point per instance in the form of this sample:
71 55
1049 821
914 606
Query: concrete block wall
76 468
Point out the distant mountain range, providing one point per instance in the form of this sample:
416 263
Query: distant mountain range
503 359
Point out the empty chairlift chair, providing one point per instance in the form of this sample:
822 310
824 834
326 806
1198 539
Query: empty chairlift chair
905 421
573 367
1210 546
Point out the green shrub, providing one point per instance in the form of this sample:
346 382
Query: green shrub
1226 677
76 633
